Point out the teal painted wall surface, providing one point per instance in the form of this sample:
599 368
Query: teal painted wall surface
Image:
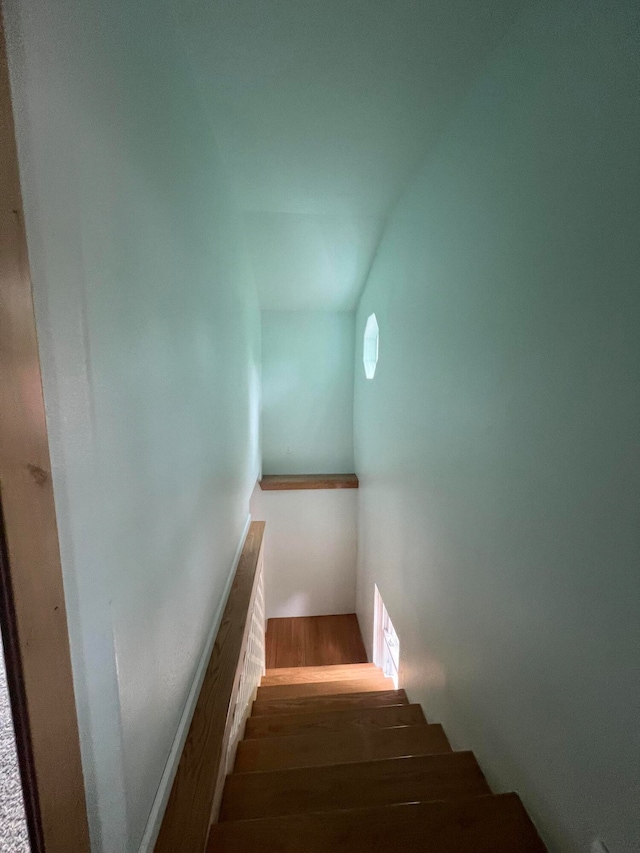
498 446
307 392
149 332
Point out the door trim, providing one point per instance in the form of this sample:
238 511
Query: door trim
17 699
33 605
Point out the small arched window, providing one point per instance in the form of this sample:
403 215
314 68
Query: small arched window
370 347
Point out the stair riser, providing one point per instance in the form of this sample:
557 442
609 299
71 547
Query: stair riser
326 703
306 674
283 725
480 825
325 688
280 680
317 750
375 783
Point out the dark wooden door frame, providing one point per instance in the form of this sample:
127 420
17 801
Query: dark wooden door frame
18 698
32 602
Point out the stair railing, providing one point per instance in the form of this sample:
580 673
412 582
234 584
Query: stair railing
236 665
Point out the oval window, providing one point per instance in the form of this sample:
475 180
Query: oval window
370 348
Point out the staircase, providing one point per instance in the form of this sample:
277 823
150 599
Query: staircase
335 759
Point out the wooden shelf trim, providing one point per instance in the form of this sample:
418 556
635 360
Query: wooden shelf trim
290 482
201 771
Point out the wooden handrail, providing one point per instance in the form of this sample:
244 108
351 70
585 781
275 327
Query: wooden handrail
198 783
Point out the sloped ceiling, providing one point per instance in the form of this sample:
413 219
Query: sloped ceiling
322 109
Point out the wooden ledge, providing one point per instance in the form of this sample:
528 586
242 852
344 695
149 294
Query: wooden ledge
290 482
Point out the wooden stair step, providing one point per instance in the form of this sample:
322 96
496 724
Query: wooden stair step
306 674
284 725
350 745
484 824
323 688
357 785
336 702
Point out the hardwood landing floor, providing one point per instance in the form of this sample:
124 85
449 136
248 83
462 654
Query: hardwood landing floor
314 641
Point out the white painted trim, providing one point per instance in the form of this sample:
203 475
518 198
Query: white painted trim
164 788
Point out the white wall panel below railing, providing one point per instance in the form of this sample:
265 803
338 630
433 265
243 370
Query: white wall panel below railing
252 668
310 550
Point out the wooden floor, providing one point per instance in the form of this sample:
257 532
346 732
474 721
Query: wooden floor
314 641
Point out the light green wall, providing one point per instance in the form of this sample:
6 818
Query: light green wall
307 392
324 110
149 332
497 446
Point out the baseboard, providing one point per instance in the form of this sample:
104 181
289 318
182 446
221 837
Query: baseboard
164 789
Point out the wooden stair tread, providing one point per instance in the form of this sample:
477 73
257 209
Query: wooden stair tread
350 745
306 674
483 824
283 725
332 667
322 688
340 786
334 758
334 702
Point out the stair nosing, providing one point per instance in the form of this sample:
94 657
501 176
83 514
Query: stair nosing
413 752
363 693
301 815
309 700
365 762
275 670
298 685
339 731
302 714
505 810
